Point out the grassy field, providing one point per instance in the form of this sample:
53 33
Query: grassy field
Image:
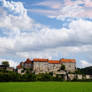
46 87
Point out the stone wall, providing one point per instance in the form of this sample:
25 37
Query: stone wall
53 67
79 76
71 76
70 67
88 77
28 66
42 67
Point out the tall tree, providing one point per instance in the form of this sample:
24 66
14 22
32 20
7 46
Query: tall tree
5 63
62 67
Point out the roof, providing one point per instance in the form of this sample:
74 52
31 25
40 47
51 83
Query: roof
19 66
54 61
28 61
40 60
68 60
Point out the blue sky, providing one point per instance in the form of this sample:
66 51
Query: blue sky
51 29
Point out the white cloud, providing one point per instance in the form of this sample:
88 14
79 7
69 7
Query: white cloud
67 9
15 23
76 38
72 11
76 9
52 4
44 12
16 7
85 63
26 38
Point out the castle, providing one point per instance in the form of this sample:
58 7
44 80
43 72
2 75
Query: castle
39 65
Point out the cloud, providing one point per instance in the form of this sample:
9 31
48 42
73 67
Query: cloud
76 39
79 34
26 38
44 12
52 4
66 9
15 23
16 7
70 11
85 63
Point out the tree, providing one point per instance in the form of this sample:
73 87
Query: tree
5 64
62 67
44 77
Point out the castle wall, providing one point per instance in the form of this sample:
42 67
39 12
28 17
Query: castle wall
88 77
43 67
53 67
79 76
71 76
40 67
69 66
28 66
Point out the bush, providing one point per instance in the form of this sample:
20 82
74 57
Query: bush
28 77
44 77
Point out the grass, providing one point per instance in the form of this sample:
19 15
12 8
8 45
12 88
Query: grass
46 87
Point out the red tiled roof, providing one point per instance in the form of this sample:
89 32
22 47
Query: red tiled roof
28 61
40 60
68 60
54 61
19 66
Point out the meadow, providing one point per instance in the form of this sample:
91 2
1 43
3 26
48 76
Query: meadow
46 87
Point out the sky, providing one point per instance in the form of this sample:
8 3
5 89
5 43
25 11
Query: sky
52 29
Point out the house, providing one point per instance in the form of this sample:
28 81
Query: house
40 65
21 68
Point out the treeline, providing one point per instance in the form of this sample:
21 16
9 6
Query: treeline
86 70
7 76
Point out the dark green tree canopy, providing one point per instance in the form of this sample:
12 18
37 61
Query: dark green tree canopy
62 67
5 63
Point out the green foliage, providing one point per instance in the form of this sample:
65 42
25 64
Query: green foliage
87 70
9 76
51 73
29 77
78 71
13 76
44 77
5 63
62 67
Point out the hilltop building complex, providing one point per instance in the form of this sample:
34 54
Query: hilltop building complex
39 65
